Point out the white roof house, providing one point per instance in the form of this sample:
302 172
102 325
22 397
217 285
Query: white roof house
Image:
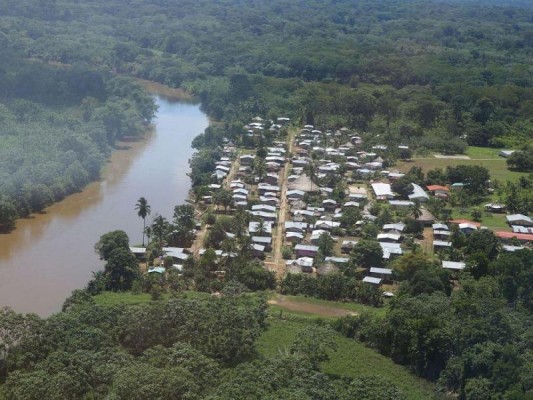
441 243
453 265
253 227
394 227
440 227
418 194
372 280
382 190
519 219
390 249
395 237
401 203
381 271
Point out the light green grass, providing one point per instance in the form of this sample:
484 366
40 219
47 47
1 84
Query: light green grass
351 358
355 307
483 152
489 220
497 167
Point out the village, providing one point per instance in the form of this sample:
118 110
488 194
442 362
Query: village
317 202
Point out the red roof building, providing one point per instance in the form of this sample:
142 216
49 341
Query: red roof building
523 237
434 188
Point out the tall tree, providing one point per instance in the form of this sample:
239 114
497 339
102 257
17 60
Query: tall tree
143 210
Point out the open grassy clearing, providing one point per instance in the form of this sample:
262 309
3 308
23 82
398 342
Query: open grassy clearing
475 152
350 359
490 220
314 305
497 166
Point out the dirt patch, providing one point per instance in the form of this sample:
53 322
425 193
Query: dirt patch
301 306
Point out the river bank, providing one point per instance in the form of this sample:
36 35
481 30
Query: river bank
51 254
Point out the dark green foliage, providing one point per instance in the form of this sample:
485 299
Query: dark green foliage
521 160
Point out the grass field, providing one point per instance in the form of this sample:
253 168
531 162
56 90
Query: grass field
354 307
350 359
497 221
483 156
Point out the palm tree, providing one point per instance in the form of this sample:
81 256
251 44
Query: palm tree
143 210
416 209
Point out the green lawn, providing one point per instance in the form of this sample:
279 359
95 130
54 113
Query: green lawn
350 359
483 152
489 220
497 166
355 307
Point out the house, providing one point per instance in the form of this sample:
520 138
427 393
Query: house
264 208
467 227
477 225
316 234
440 227
495 207
400 203
269 200
327 225
240 191
159 270
291 226
258 250
390 249
254 227
304 214
441 235
382 191
295 194
271 179
347 246
262 240
329 204
453 265
303 250
267 216
337 260
383 273
439 191
418 194
440 244
519 219
247 159
264 188
389 237
372 280
294 237
510 248
506 153
139 252
523 237
350 204
399 227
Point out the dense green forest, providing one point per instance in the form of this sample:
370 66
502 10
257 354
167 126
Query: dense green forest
58 127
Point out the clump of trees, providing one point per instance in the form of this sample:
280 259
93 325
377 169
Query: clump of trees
472 341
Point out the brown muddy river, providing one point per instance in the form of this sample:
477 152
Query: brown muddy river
50 255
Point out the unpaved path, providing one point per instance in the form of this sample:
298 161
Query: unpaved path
278 264
310 308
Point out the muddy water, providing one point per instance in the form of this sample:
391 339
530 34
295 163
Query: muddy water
51 254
